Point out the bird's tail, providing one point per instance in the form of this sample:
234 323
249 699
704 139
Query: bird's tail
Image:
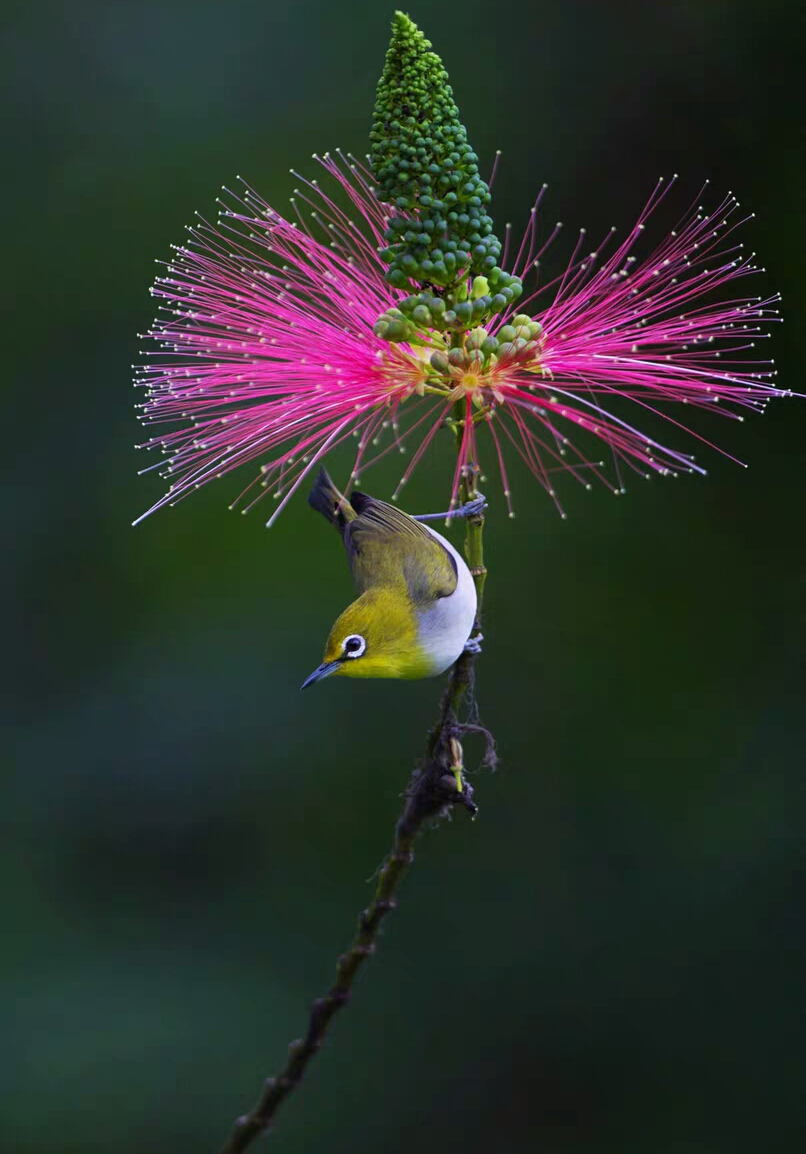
326 499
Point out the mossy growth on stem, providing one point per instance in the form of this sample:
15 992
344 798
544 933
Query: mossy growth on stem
440 241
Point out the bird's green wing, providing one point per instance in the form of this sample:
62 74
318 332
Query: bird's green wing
387 547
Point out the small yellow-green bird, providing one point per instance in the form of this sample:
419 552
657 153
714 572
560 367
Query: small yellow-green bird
417 599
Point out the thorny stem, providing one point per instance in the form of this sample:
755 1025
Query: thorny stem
432 792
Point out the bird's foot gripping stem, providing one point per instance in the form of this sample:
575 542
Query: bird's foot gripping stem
471 509
473 644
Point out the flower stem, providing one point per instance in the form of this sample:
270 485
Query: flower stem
474 538
436 786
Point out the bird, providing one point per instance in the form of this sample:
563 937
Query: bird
416 604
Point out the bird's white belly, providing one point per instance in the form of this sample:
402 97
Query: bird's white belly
445 626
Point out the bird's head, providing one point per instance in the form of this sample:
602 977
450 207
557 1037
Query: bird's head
376 636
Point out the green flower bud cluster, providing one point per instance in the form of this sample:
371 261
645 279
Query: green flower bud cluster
393 326
455 311
518 340
424 167
458 308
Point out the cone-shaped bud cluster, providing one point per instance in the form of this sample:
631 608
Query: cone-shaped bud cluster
439 234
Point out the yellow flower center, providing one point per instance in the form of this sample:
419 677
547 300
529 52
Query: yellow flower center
470 381
479 367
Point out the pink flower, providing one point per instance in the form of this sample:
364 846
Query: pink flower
266 349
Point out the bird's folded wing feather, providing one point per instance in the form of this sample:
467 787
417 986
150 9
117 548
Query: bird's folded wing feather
387 547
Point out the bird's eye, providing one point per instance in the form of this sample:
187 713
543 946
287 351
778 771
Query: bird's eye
354 645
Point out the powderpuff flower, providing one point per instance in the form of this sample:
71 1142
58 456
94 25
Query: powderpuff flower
268 349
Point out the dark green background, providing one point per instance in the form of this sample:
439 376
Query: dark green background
612 957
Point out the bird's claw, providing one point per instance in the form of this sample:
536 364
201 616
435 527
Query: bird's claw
472 508
473 644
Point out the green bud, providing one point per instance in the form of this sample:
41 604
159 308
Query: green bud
398 331
458 358
489 346
480 288
393 326
506 333
439 362
476 338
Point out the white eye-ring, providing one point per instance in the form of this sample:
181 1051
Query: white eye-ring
354 645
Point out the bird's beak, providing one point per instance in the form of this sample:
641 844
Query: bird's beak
324 669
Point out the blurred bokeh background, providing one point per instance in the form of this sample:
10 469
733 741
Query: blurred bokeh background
612 957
